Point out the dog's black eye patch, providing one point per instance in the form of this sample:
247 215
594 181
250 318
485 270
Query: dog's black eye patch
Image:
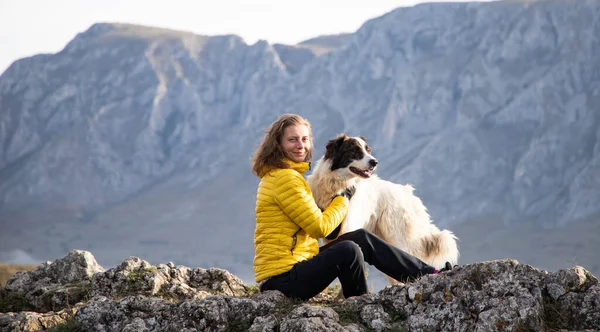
349 151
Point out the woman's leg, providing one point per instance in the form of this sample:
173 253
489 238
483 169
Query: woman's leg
344 260
388 259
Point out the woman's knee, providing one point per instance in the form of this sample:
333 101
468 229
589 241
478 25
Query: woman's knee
351 249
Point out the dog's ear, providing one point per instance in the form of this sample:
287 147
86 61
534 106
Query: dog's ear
367 147
334 145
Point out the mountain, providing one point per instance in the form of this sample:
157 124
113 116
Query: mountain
136 140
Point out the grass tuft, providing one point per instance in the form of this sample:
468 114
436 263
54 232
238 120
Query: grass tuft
68 326
12 302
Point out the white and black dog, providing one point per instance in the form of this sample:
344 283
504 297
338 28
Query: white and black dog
389 210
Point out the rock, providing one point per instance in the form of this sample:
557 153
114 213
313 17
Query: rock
485 296
32 321
52 285
77 265
57 285
136 276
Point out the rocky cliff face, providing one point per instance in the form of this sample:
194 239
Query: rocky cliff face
136 140
120 108
74 293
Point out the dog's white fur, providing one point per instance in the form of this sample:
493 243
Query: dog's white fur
389 210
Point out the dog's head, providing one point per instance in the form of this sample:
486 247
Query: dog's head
351 155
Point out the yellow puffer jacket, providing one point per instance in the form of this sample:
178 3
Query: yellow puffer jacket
288 221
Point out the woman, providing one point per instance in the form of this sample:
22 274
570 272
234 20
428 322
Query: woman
288 224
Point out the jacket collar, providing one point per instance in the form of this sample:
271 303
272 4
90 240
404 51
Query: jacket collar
300 167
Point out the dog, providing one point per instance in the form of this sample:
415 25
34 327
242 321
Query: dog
389 210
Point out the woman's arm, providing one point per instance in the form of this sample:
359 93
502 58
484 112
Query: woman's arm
299 204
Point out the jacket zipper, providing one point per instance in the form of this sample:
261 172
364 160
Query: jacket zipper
294 240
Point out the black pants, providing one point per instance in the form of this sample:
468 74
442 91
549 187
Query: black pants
345 259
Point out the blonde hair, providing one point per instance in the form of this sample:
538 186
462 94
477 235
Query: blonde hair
269 152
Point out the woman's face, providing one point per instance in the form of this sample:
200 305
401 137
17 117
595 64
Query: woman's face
296 142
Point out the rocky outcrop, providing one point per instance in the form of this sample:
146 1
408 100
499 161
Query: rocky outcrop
500 295
51 286
489 109
136 276
77 277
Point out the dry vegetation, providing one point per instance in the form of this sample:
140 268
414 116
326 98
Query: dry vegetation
8 270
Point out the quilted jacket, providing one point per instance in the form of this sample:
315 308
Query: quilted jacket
288 221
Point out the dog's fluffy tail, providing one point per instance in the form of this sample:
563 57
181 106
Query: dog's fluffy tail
439 248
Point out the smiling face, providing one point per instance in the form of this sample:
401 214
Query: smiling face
295 142
351 155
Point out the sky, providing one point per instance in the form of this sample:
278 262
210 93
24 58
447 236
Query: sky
29 27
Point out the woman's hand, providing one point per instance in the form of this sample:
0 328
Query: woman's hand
349 192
